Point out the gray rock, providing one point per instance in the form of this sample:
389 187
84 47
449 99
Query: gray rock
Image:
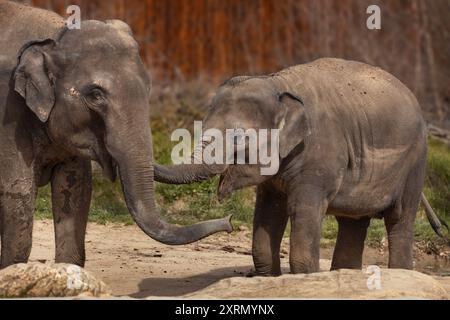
340 284
49 280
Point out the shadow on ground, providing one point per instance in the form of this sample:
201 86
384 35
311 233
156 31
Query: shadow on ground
173 287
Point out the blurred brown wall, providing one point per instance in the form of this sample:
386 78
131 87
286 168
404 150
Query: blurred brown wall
214 39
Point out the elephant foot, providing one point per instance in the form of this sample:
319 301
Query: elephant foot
309 266
255 273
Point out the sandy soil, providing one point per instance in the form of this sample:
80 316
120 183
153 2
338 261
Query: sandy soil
133 264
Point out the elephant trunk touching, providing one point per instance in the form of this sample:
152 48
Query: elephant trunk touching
136 174
186 173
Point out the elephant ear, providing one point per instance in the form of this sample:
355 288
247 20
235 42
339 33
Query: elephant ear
293 125
33 80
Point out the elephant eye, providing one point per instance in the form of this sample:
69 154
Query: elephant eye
95 95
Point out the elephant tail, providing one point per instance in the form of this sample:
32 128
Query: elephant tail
435 222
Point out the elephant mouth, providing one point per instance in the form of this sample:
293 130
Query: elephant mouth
112 170
225 187
109 166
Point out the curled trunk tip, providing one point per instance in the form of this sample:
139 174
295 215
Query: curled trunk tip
229 225
138 188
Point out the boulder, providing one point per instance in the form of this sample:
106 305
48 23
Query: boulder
49 280
339 284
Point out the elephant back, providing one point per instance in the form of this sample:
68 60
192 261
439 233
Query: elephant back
20 24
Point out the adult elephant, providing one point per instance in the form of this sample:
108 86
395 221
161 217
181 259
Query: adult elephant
68 97
352 143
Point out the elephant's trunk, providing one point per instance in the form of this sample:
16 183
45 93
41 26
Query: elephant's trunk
186 173
134 157
189 173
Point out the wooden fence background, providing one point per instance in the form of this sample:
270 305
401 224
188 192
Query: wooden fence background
183 40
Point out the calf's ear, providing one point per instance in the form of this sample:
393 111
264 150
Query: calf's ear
293 123
33 80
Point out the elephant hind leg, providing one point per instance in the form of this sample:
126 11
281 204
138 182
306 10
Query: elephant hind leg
399 221
349 247
269 224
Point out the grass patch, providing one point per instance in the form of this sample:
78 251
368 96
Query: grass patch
437 188
107 203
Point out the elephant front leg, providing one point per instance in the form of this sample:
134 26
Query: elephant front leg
269 224
71 197
17 206
306 209
350 243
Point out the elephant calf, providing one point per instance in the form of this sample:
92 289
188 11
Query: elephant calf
352 144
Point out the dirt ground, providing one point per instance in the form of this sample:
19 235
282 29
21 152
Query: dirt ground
135 265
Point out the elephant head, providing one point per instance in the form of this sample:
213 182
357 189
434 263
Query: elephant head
245 103
90 91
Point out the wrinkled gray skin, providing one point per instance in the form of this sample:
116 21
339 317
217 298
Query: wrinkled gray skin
352 145
68 97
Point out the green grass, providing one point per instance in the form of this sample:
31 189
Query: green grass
186 204
107 203
375 233
437 187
